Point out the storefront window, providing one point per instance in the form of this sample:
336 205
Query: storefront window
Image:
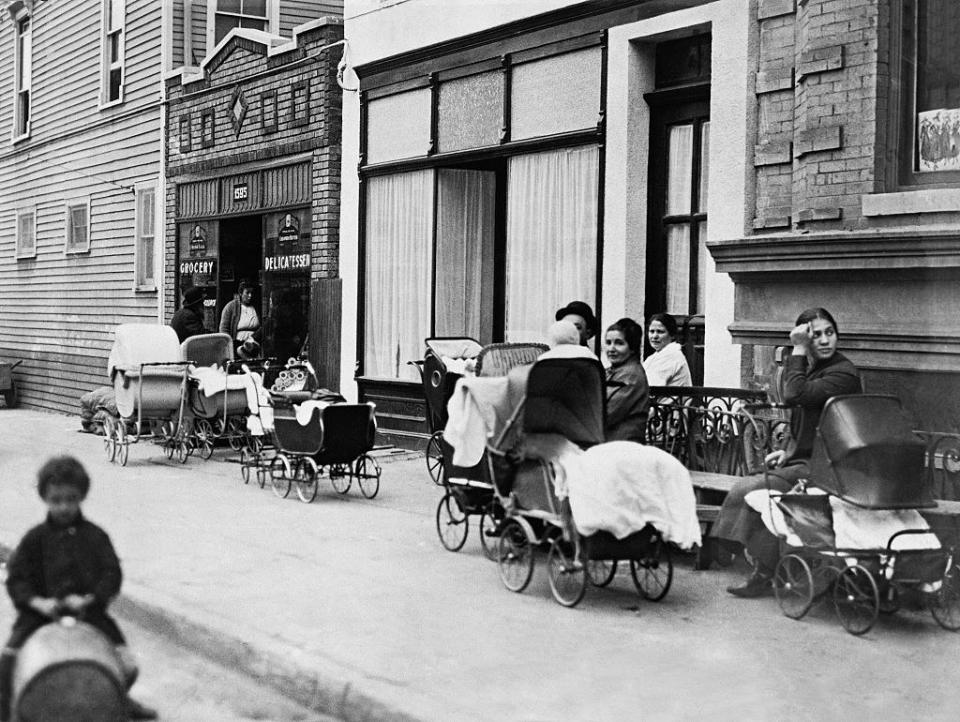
286 282
551 259
399 223
930 99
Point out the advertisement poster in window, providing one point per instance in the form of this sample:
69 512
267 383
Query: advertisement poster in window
938 133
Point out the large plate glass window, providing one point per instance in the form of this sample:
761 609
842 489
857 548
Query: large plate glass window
398 260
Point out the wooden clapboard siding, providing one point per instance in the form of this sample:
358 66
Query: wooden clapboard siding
58 312
297 12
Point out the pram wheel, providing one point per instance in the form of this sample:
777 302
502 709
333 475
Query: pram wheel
280 476
793 586
340 478
367 472
183 451
567 574
109 442
488 531
434 458
203 433
856 599
123 443
246 461
653 574
601 572
452 523
235 433
514 557
945 605
305 474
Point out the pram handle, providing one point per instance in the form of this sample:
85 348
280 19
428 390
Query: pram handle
905 532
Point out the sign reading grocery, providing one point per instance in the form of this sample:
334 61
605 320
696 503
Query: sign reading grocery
189 268
287 263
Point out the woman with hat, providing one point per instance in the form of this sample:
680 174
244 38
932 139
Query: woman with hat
580 315
188 321
241 321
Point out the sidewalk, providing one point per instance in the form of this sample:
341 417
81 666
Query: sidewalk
351 607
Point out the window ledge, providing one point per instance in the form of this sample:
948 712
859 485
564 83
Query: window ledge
107 104
147 288
931 200
20 138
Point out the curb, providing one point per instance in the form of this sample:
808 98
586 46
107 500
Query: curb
288 671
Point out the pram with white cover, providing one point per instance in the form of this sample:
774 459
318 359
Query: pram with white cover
852 531
550 474
148 380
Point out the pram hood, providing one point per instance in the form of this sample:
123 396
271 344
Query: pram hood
566 396
138 343
207 349
866 453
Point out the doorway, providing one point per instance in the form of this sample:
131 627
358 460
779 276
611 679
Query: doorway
241 258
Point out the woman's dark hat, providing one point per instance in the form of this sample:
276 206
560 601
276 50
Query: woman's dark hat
581 309
193 296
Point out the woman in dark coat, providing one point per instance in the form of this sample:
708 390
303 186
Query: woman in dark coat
188 321
813 373
627 388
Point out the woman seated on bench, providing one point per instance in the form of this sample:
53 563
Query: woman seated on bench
666 366
813 373
627 388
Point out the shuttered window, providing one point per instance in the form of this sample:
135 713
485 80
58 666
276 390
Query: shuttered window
77 222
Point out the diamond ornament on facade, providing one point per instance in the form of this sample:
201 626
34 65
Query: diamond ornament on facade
238 110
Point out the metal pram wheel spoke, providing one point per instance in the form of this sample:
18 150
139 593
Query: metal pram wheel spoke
305 475
204 438
514 557
109 442
281 476
434 458
945 605
601 572
567 573
453 525
340 477
856 599
489 529
367 471
653 574
793 586
123 443
246 461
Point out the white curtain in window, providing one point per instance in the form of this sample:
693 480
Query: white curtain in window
399 221
678 269
679 170
551 237
465 216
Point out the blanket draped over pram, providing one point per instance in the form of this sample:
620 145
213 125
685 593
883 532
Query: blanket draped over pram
853 527
213 380
620 487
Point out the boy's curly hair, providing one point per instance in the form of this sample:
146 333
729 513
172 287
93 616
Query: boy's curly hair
63 470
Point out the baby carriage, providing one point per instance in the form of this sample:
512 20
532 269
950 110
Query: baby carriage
857 536
314 432
565 397
149 384
443 363
220 392
468 490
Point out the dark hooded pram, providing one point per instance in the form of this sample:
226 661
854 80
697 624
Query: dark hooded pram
564 397
468 491
865 457
315 432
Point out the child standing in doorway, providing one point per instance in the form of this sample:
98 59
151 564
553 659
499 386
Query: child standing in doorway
64 566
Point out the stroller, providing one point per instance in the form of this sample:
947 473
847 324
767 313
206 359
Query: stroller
149 382
468 491
861 541
438 381
565 397
218 393
315 433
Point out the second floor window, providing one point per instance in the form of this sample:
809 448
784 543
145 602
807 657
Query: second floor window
239 14
113 42
23 71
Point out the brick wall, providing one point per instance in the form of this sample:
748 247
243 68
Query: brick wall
292 108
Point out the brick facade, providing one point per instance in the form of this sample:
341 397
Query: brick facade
251 108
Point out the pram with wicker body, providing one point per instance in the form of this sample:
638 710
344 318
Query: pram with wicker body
852 532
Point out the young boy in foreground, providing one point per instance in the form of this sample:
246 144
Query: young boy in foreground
64 566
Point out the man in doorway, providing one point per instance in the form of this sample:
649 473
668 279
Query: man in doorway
188 321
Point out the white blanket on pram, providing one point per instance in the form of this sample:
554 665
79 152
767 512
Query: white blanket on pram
621 486
853 527
212 380
304 411
476 409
